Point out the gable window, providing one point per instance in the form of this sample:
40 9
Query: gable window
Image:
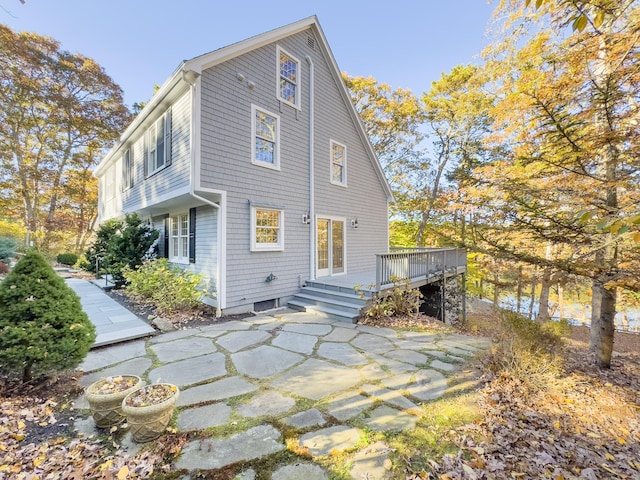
127 169
267 229
157 148
179 238
266 138
288 78
338 164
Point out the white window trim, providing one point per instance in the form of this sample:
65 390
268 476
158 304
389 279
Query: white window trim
165 145
344 164
266 247
129 168
276 164
178 259
298 83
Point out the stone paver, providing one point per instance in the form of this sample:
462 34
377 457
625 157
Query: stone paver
103 357
296 342
264 361
268 403
387 419
333 439
372 343
316 379
183 348
342 353
307 328
424 384
175 335
216 453
408 356
299 471
447 367
236 341
136 366
372 462
349 405
340 334
394 397
203 417
226 388
191 370
306 419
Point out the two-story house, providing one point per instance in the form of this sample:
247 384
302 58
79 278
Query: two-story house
254 166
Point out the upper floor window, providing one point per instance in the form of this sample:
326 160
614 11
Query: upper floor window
127 169
288 78
267 229
266 138
157 147
338 163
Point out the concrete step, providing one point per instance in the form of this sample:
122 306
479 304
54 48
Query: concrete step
323 310
335 296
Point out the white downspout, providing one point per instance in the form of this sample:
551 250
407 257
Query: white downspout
192 79
312 214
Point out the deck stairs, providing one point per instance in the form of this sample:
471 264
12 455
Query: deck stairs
341 302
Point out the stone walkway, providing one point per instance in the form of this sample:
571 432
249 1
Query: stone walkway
113 322
327 380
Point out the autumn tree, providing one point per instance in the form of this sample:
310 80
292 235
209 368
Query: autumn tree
566 117
58 110
393 121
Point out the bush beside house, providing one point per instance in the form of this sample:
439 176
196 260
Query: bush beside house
42 324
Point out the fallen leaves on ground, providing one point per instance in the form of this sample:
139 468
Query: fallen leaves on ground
25 458
585 425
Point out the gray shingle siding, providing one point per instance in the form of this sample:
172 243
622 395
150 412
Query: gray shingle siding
177 175
226 165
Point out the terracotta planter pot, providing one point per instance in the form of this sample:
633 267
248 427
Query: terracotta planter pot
148 415
106 408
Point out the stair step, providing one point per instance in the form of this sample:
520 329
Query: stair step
324 310
344 302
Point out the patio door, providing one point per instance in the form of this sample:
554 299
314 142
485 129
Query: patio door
329 247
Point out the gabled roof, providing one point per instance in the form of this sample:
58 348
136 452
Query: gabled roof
186 70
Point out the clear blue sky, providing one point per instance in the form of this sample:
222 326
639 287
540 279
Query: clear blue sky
140 42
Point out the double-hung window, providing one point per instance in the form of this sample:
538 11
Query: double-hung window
266 138
338 164
179 238
127 169
288 78
267 229
157 148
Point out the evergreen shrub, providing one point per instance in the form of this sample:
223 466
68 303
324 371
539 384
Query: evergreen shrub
67 258
121 244
42 325
7 249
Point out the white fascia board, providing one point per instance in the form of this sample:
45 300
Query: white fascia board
354 113
208 60
148 109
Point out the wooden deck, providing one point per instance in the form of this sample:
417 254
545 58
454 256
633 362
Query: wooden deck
417 266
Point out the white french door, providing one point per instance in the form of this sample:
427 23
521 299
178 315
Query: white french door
329 247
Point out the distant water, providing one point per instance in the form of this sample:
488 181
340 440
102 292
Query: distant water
627 320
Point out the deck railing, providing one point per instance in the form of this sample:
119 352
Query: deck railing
418 264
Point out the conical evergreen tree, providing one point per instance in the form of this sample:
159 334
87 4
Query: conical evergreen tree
42 325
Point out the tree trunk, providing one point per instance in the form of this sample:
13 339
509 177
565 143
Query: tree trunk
602 327
519 290
496 292
543 305
532 295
